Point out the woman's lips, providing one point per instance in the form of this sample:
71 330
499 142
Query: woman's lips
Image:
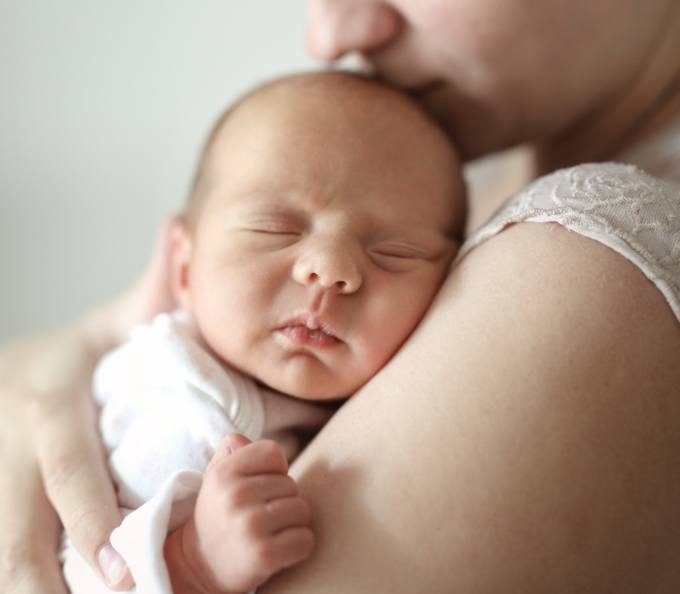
302 336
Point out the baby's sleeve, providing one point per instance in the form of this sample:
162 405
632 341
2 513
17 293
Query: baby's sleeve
166 403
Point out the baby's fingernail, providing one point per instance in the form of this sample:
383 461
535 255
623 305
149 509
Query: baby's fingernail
112 565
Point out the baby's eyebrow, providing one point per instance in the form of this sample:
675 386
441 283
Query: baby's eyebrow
271 212
271 209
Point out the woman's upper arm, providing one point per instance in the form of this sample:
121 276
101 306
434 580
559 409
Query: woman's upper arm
525 439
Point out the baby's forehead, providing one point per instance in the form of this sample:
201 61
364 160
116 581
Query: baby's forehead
349 100
329 126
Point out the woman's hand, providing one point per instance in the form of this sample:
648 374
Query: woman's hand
50 450
49 434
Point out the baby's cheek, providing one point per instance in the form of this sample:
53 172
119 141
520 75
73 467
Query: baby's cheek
381 342
402 316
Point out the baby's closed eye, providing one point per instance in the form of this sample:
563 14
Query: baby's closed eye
396 256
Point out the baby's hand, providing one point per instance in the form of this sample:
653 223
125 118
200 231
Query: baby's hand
249 521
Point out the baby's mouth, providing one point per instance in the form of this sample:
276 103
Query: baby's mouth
307 337
307 330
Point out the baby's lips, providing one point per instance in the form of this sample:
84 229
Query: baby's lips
312 322
302 336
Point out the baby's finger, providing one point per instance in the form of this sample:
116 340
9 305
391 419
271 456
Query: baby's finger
287 512
233 442
292 546
229 444
259 457
79 487
261 489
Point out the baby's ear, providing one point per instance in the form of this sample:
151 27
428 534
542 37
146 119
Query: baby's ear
180 255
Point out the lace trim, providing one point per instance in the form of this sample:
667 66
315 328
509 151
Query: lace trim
621 206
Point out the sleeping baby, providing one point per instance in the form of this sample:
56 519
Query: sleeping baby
324 216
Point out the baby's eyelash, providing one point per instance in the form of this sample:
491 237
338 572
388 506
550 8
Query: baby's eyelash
400 256
273 231
402 251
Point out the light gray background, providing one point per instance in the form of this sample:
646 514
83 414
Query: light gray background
103 108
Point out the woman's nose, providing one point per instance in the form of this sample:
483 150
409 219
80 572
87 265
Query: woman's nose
329 267
335 27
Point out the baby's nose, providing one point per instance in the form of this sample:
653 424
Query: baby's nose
329 267
335 27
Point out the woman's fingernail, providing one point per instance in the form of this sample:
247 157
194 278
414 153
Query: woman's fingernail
112 565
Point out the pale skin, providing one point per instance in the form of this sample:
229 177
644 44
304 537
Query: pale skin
330 265
521 474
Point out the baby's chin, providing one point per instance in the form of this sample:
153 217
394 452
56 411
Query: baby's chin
313 389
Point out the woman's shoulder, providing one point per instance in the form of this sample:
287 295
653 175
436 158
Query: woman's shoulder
617 204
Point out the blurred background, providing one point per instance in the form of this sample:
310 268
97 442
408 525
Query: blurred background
103 109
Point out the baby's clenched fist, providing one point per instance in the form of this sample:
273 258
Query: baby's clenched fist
249 521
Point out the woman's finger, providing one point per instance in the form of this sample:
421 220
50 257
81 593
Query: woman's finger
152 293
36 577
30 528
78 485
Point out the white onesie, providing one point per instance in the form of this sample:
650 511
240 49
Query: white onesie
166 403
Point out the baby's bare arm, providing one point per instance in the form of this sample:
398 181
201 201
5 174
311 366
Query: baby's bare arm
249 523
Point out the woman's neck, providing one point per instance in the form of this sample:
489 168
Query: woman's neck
651 100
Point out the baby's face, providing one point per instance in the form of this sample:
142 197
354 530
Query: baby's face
324 236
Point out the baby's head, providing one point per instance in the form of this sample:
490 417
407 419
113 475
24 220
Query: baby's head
324 216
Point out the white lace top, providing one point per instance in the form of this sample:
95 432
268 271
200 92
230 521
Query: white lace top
620 205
